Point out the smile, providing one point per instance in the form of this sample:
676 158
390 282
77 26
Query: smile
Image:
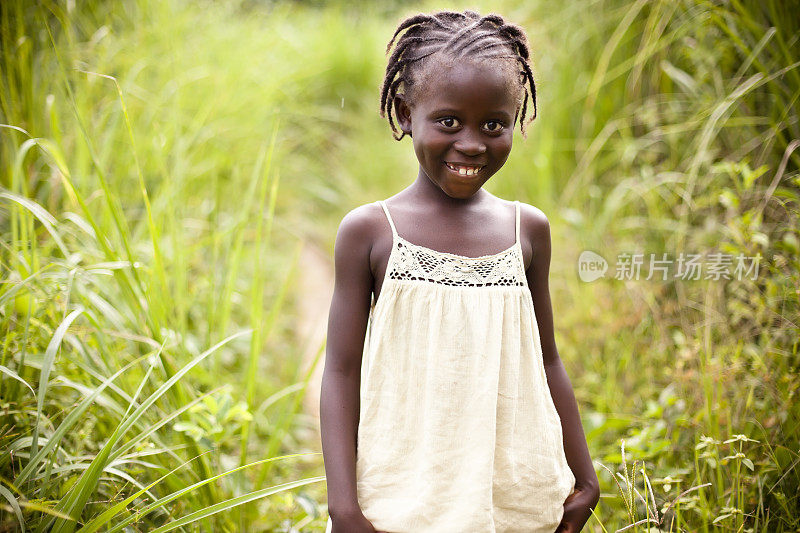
464 170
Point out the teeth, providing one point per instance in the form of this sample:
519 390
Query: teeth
464 171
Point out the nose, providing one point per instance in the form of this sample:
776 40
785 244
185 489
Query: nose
470 144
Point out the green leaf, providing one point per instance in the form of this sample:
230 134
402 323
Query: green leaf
14 505
47 364
12 374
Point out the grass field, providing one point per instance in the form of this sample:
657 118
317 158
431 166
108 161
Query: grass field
163 162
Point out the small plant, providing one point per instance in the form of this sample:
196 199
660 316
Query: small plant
630 493
215 419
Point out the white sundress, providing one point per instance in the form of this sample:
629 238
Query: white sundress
457 428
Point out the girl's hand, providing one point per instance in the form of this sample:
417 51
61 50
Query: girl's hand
356 523
577 510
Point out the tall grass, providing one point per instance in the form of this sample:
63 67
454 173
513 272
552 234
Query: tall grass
160 164
673 127
128 247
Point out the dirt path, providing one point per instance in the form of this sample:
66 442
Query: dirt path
314 292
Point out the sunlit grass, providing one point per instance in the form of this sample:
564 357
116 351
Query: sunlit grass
124 276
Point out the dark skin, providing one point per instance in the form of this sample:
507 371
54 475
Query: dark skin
466 115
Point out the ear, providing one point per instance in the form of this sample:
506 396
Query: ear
403 113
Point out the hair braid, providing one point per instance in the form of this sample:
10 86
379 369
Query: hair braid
457 34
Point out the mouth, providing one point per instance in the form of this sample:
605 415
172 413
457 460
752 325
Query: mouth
464 170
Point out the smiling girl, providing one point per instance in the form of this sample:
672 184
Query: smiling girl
445 406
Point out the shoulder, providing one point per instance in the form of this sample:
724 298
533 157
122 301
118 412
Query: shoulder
532 219
533 223
360 222
534 229
358 229
352 275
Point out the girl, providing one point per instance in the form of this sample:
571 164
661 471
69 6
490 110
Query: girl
444 404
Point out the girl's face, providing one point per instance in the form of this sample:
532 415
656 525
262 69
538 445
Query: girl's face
462 124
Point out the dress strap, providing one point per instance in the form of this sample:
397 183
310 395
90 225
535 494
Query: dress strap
516 203
388 216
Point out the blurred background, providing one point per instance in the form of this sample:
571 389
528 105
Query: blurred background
173 174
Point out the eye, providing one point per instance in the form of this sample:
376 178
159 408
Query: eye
498 126
448 122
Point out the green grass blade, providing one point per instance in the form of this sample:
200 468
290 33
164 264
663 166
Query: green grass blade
10 373
76 499
186 490
105 517
257 293
67 424
233 502
44 377
14 505
47 220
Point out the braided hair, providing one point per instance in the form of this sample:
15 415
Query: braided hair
455 35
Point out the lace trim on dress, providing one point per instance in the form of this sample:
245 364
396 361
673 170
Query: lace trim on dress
413 262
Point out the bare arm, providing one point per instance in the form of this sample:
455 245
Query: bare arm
536 225
341 378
